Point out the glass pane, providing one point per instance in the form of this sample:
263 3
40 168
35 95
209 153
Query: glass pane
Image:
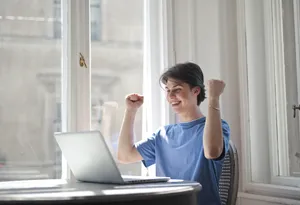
291 55
30 71
95 7
117 68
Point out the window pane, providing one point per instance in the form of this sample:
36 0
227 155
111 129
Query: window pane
291 56
117 69
95 7
30 68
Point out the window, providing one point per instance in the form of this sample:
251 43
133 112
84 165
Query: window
57 27
41 94
95 14
96 19
270 85
30 68
291 37
117 70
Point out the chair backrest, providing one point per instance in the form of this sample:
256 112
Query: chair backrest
229 179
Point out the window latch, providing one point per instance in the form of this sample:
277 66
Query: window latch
82 61
295 107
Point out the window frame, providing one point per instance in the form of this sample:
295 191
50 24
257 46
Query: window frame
278 121
76 80
76 88
275 112
297 30
95 31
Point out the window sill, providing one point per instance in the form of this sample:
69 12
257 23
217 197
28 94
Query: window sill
286 181
32 184
272 200
269 191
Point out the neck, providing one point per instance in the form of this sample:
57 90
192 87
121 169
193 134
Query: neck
190 115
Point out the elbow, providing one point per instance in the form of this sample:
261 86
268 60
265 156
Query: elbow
213 153
121 157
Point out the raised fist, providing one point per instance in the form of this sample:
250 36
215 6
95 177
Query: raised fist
215 88
134 101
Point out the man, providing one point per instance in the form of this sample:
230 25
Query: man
192 149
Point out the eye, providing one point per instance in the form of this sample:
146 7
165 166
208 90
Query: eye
177 90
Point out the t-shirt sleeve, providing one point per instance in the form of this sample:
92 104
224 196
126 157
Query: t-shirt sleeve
226 138
146 148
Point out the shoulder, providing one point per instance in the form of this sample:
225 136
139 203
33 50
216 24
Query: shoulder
166 130
225 125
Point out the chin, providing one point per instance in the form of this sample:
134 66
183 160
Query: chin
177 110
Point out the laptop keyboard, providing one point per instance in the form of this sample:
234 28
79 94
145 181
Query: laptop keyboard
139 179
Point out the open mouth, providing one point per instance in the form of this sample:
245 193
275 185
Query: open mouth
175 104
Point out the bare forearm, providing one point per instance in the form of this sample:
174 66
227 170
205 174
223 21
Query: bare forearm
126 143
213 137
127 152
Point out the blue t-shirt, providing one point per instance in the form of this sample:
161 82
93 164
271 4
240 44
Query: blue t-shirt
177 151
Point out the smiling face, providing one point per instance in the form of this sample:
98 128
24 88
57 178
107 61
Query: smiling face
181 96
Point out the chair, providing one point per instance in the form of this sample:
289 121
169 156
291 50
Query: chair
229 179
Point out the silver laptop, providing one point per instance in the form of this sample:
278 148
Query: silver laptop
90 160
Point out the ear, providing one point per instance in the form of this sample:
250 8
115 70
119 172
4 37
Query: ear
196 90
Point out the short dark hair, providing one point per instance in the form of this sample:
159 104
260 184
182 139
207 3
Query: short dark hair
189 73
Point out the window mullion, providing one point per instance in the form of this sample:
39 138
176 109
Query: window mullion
75 69
280 87
297 41
270 73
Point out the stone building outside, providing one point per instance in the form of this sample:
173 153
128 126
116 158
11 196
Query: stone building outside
30 72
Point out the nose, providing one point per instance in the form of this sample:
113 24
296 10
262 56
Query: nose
171 95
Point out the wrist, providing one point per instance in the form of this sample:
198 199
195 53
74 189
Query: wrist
214 100
131 111
213 107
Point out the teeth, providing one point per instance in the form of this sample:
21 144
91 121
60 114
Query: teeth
175 103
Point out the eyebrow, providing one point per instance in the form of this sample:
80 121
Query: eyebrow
179 84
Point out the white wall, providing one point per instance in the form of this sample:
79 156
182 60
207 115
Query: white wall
206 32
212 44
